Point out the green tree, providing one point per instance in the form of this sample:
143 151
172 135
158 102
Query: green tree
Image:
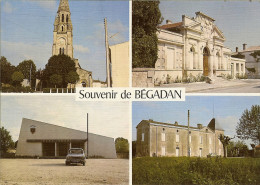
6 140
237 148
28 68
6 70
72 77
122 145
248 126
56 80
60 65
225 140
17 78
146 17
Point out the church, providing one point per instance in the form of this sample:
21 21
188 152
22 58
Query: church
194 47
63 42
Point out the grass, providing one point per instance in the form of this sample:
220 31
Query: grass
183 170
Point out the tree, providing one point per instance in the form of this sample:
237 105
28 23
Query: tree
27 67
17 78
225 140
146 17
72 77
122 145
6 70
56 79
60 65
249 125
237 148
6 140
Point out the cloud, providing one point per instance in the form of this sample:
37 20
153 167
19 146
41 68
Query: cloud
16 52
49 5
8 8
228 124
81 48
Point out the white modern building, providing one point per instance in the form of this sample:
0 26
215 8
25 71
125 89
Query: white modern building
47 140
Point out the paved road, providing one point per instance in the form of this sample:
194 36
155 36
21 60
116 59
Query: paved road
254 88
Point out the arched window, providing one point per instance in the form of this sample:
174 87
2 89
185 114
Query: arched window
67 18
62 19
62 28
60 51
63 51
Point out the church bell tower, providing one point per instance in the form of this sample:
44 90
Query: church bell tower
62 33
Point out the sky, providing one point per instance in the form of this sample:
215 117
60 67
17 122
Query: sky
105 118
226 109
27 31
238 20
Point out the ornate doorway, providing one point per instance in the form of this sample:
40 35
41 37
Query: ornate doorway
205 61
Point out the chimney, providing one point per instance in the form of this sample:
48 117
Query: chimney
176 123
244 46
199 126
168 21
236 49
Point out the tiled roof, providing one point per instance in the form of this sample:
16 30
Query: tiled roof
170 26
168 124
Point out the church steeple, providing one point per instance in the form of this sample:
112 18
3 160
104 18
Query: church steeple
62 33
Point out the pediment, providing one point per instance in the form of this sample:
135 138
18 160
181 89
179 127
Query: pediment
217 33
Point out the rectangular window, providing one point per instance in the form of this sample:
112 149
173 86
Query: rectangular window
200 139
200 152
163 136
142 136
190 138
163 150
177 138
177 152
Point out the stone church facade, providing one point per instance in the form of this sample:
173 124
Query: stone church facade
194 46
165 139
63 42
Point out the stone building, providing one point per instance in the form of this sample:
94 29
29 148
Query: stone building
190 48
165 139
46 140
252 66
63 42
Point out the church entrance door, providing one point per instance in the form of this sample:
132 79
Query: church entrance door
205 62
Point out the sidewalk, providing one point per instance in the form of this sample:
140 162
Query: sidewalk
217 84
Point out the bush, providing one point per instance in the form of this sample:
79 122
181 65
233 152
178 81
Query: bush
6 88
184 170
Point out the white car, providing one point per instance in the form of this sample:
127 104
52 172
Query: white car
76 155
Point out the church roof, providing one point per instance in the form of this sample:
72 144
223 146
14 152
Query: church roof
64 6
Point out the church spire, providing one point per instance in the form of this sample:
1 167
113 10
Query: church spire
64 6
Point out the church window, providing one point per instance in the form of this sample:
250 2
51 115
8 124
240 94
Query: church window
62 19
142 136
63 51
60 51
32 129
67 18
62 28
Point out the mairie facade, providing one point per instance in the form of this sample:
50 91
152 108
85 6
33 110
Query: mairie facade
47 140
165 139
194 47
63 42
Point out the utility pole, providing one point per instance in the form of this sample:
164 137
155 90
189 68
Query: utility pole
188 133
31 76
107 56
87 135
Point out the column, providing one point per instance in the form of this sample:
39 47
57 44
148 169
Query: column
196 60
239 68
235 69
211 65
56 153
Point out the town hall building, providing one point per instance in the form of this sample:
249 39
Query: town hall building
63 42
157 139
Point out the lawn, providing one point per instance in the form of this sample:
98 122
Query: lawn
184 170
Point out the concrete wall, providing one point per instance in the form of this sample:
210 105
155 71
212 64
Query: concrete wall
98 145
143 77
120 64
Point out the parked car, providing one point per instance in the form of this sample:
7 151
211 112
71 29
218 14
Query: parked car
76 155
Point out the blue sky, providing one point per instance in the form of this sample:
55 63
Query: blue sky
227 111
27 30
239 20
105 118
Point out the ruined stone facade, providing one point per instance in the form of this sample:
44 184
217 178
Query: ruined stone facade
194 47
165 139
63 42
